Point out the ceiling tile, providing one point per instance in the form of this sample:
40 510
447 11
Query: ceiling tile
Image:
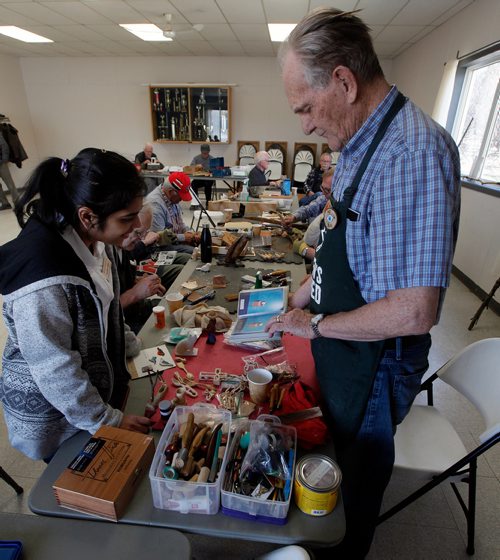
228 48
81 32
399 33
154 10
199 48
55 33
218 32
199 11
115 10
258 48
452 11
39 13
251 31
344 5
425 31
284 11
242 11
422 12
386 49
75 11
379 12
111 31
8 17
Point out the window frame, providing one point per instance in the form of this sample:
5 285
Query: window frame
466 65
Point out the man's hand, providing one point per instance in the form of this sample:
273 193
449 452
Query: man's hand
192 238
288 220
136 423
151 238
296 321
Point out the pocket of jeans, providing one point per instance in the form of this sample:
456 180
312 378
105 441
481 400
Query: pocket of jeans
405 389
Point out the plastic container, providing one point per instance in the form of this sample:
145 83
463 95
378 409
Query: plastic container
257 509
181 495
10 550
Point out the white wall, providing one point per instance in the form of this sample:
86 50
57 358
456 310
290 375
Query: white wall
104 102
418 72
13 104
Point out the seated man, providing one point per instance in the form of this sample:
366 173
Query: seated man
258 176
315 207
167 214
312 184
143 159
203 162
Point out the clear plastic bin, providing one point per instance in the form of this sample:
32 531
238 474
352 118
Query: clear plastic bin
181 495
258 509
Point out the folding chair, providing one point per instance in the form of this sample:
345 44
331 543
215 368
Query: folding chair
428 445
10 481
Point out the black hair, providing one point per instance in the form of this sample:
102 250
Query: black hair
103 181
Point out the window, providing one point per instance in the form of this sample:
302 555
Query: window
476 126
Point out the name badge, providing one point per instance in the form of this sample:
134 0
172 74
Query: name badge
331 218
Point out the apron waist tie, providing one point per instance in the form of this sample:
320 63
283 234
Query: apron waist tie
402 343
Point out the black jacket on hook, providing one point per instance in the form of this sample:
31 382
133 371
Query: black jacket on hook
17 152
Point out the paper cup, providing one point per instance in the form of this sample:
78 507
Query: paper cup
228 214
259 384
159 313
174 301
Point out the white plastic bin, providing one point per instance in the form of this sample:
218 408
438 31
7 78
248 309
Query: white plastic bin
181 495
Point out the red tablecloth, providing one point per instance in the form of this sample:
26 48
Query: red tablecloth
229 359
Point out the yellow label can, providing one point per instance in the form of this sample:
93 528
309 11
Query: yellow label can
317 483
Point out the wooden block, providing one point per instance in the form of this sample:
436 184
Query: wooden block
103 477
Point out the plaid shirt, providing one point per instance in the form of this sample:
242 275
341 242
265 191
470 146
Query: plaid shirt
408 201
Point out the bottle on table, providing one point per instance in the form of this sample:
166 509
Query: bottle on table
206 244
258 280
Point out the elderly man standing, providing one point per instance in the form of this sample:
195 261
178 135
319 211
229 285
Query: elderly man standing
143 159
312 184
167 214
384 257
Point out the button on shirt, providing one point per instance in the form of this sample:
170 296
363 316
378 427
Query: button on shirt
99 268
408 202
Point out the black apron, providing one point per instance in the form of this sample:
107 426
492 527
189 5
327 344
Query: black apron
345 369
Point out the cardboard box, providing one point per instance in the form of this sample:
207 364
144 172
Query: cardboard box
103 477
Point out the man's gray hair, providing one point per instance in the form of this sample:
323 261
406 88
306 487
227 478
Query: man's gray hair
260 156
327 38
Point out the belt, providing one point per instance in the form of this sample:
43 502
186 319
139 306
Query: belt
406 341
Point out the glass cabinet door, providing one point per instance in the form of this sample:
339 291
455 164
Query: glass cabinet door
170 112
210 114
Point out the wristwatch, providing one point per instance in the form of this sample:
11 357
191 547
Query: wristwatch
314 324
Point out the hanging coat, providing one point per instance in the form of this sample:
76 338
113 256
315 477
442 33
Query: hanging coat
17 152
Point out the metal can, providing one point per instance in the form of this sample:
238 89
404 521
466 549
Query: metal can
317 483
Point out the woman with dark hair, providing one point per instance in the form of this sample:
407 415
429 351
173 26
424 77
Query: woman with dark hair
64 360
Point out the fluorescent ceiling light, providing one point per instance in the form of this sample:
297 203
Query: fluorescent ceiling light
22 34
145 31
280 31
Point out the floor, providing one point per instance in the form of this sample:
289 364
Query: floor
432 528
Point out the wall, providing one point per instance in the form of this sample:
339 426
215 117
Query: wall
13 104
104 102
418 73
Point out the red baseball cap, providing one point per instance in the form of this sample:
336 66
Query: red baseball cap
180 182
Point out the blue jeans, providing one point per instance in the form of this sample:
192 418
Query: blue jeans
367 462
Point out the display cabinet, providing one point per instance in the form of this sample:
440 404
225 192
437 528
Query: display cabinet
191 113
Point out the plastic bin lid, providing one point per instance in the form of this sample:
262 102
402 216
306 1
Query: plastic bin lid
10 550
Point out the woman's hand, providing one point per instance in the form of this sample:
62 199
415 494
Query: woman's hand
148 286
136 423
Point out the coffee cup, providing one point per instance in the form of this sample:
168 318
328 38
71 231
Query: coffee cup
259 383
175 300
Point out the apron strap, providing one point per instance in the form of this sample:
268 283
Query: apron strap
394 109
